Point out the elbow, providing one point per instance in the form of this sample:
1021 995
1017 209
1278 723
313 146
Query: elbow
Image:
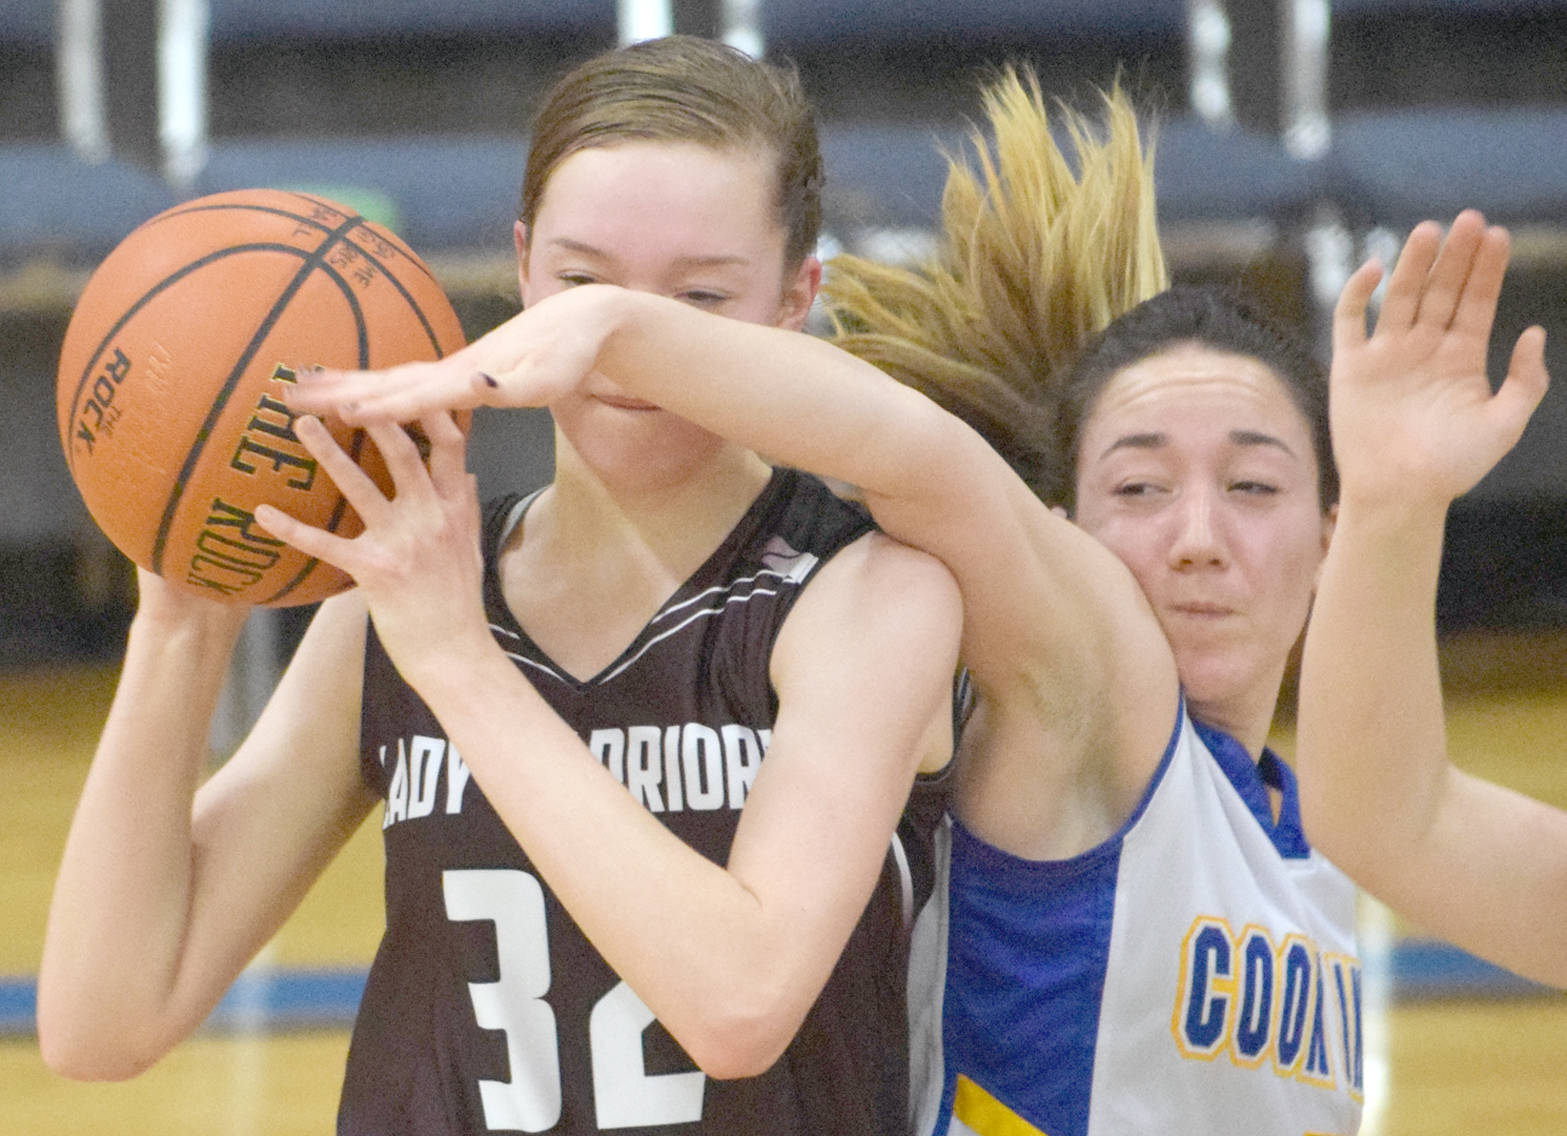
86 1055
741 1036
729 1054
85 1047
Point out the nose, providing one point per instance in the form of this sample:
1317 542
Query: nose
1198 539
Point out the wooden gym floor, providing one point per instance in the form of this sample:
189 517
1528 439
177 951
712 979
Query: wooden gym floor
1488 1062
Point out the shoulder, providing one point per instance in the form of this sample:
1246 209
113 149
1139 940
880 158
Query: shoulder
891 563
875 584
876 568
871 649
499 517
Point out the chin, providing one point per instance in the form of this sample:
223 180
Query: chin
1207 680
642 450
643 471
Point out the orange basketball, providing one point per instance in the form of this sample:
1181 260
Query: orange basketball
170 373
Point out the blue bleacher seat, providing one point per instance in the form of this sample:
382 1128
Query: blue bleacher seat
1208 174
1522 8
235 21
443 191
58 205
1397 166
891 175
794 24
27 22
882 164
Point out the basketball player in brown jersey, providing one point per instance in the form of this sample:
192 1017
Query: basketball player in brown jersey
586 929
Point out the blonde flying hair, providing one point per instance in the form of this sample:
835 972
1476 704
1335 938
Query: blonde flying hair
1038 252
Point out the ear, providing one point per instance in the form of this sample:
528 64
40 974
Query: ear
519 237
1329 523
799 294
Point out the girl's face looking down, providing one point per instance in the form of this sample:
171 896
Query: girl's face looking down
677 219
1198 470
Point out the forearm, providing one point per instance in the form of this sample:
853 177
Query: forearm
729 955
1371 739
929 480
682 931
788 395
1473 862
122 897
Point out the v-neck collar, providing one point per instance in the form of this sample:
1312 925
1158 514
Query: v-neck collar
1252 780
525 650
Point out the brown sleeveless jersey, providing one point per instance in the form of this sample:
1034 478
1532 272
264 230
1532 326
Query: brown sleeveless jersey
487 1010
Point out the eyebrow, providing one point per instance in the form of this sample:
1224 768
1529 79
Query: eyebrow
714 261
1155 440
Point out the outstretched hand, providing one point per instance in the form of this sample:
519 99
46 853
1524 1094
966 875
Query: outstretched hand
533 359
1413 413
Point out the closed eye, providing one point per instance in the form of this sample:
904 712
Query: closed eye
1254 488
701 297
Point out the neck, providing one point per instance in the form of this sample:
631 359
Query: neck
592 562
1246 717
678 520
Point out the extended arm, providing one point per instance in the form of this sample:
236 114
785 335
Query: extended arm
1415 424
166 890
1056 631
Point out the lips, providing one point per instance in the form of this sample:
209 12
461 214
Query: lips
1202 610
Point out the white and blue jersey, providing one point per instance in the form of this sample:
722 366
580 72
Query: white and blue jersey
1194 973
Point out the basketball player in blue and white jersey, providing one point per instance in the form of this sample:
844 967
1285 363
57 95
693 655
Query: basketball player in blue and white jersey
1469 860
1140 940
645 742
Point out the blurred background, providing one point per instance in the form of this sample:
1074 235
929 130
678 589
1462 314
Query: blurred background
1294 138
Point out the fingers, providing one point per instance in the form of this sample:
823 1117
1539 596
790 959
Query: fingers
1525 384
322 390
448 453
1448 279
317 543
1476 310
1447 282
405 519
403 393
522 362
410 476
1401 304
357 489
361 493
1349 314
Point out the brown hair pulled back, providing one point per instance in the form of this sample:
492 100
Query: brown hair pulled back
686 89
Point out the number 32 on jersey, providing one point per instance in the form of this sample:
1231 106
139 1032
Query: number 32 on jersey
625 1095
